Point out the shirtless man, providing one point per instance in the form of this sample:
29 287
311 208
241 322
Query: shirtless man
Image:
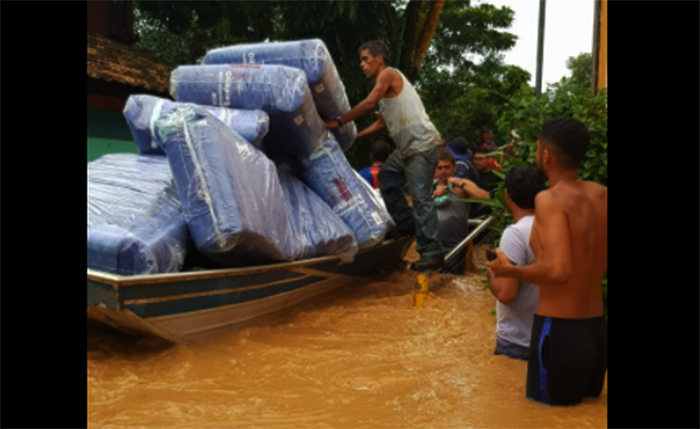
414 160
568 354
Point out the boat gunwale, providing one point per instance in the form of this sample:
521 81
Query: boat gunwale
119 281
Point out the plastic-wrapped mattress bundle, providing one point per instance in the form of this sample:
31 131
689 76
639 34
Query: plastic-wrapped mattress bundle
328 173
135 221
141 112
231 196
377 200
282 92
317 230
313 58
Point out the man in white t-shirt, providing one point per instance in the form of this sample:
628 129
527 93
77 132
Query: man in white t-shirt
517 301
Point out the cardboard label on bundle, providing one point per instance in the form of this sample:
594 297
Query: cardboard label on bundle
298 120
320 88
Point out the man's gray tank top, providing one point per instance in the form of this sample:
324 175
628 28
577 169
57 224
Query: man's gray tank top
407 122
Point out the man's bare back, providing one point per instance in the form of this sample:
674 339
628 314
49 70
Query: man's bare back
585 208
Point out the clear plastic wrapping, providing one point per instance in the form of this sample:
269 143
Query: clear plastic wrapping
313 58
231 196
329 174
282 92
318 230
135 221
141 112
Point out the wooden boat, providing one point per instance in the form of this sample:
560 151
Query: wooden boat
196 306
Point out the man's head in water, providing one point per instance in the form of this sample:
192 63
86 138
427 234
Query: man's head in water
374 57
481 161
562 145
447 165
522 184
380 152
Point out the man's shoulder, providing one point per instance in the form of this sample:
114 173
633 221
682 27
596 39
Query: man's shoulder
520 230
596 188
365 172
389 74
515 242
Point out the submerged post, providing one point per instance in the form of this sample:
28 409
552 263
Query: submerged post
422 289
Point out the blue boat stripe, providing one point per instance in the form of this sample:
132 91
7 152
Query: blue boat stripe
544 389
208 302
173 289
207 293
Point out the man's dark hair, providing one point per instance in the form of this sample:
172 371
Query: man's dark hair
480 149
377 47
570 139
380 151
523 183
446 155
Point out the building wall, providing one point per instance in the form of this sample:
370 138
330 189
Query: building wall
113 19
97 17
107 132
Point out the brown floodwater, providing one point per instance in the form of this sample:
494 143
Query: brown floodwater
363 358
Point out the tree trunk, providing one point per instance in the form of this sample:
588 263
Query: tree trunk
410 35
426 37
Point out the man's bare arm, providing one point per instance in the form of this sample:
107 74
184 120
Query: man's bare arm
470 190
505 289
376 127
368 104
554 265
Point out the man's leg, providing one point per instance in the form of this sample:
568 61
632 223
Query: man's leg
420 170
513 351
391 179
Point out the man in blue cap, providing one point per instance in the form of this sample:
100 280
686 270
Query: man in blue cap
465 168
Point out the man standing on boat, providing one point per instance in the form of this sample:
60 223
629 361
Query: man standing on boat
414 160
569 354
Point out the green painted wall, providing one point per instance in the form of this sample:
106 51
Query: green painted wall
98 147
107 132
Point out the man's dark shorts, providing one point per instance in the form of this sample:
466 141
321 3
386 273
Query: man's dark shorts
568 360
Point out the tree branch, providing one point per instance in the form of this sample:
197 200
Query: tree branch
426 36
410 35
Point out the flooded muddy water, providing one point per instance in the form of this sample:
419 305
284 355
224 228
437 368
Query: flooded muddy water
364 358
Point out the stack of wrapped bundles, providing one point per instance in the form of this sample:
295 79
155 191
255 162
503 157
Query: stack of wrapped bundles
313 58
282 92
329 174
317 230
231 196
203 172
142 111
135 221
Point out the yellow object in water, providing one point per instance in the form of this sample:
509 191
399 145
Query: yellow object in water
421 290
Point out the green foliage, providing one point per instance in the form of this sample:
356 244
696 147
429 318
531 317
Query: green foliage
581 69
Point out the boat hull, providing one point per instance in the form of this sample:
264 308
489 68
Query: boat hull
194 307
